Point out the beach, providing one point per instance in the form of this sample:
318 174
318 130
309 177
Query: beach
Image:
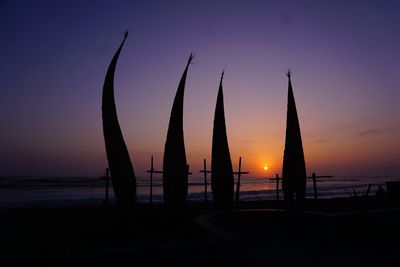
200 133
335 232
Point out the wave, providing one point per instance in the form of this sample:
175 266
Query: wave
26 191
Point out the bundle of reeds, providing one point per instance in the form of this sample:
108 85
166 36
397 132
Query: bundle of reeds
122 174
221 164
175 169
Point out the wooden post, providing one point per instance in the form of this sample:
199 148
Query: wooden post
238 181
107 178
205 180
151 171
277 185
151 180
107 183
239 173
314 178
189 173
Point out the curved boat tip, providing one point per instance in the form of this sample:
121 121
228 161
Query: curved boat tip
220 94
190 58
289 73
221 164
123 176
175 172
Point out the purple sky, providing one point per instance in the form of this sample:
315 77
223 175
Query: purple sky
344 55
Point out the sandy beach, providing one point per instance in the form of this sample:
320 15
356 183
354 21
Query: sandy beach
336 232
200 133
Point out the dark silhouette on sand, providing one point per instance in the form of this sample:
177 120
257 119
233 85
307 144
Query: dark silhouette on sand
122 174
294 166
175 169
221 164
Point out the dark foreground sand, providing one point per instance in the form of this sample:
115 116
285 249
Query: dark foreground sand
341 232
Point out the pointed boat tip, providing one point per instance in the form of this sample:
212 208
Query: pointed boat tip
220 82
223 72
289 74
190 58
126 34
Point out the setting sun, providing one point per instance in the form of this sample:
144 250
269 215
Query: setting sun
265 168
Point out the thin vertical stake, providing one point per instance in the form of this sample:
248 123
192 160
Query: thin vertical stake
238 181
277 187
107 182
151 180
205 181
314 179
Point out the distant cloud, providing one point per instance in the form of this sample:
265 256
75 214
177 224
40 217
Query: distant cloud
369 132
323 140
348 127
374 131
358 129
394 128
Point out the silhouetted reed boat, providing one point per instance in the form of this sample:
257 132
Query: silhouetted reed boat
122 174
175 169
294 167
221 164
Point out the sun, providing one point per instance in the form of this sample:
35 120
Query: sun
265 168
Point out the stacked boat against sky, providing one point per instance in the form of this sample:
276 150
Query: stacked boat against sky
123 176
175 168
221 164
294 167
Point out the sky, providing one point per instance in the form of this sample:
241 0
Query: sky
344 57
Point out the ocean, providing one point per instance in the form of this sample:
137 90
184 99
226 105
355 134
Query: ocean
22 192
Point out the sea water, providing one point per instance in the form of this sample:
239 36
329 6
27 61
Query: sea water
90 191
